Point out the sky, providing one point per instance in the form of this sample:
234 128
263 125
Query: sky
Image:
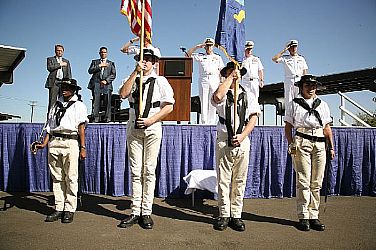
334 36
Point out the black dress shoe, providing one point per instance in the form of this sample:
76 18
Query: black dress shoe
146 222
54 216
130 221
237 224
68 217
303 225
316 225
221 223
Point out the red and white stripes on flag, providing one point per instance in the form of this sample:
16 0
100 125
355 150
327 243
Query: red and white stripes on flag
133 10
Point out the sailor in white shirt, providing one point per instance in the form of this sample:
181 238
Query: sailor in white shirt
253 80
295 67
66 144
209 77
311 119
233 147
144 135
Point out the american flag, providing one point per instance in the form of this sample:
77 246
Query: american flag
132 9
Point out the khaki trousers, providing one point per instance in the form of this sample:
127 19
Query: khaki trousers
63 155
232 169
309 165
143 150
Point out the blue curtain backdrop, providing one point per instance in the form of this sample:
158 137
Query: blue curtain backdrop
184 148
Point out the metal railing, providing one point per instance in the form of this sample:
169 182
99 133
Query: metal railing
345 111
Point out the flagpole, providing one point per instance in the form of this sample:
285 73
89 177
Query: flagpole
141 57
236 90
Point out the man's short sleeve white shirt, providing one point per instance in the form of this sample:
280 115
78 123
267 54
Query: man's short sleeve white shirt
162 92
253 65
299 117
74 116
208 64
293 65
253 108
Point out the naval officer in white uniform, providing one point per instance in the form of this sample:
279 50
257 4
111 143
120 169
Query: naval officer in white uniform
210 65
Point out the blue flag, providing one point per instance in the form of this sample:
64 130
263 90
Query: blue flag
231 28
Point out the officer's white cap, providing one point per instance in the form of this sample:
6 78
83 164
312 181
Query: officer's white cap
249 44
209 41
292 43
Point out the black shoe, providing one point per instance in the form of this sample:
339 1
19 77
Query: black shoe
303 225
237 224
68 217
146 222
54 216
316 225
221 223
130 221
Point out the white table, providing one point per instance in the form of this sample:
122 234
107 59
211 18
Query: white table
201 179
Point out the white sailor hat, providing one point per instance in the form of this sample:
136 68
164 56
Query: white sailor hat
249 45
292 43
153 52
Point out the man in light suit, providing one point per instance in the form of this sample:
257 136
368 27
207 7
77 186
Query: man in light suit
103 73
59 68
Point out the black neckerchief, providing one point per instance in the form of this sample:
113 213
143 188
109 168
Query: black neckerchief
241 108
302 102
136 95
60 110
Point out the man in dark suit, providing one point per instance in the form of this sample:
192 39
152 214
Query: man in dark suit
103 73
59 68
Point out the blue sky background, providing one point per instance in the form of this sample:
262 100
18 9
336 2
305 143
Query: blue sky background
335 36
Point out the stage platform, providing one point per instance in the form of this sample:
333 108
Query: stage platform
184 148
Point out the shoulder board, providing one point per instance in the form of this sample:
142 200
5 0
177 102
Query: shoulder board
201 54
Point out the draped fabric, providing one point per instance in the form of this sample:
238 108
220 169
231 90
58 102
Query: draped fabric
183 149
230 32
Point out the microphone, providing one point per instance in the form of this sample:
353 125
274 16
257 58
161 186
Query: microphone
184 50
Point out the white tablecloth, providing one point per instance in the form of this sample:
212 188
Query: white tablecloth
201 179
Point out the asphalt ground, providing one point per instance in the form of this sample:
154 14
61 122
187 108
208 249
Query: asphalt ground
270 224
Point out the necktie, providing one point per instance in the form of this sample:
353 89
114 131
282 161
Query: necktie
102 69
59 74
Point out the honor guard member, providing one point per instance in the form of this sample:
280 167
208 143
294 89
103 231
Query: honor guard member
253 80
232 148
210 65
295 68
144 134
66 144
310 117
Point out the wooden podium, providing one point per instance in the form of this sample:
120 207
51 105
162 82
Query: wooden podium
178 71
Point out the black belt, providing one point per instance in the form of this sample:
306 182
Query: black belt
65 136
310 137
153 105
